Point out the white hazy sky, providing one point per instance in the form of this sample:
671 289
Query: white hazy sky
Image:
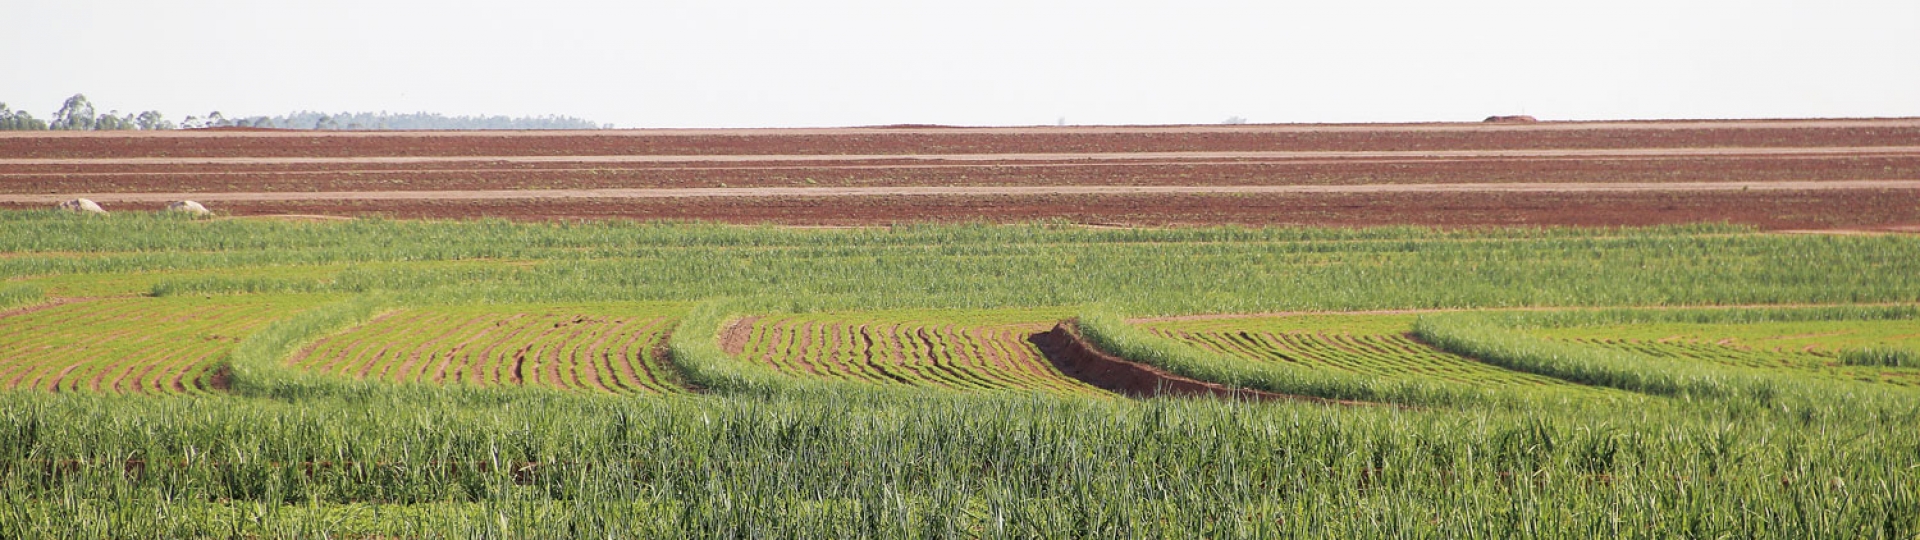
765 63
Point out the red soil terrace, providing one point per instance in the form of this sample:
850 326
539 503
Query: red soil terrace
1868 166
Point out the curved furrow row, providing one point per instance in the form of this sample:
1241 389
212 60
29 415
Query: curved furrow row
1363 354
132 344
50 346
905 353
1820 364
550 346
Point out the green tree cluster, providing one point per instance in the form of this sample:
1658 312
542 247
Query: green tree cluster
78 114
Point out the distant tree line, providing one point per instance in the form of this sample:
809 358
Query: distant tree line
78 114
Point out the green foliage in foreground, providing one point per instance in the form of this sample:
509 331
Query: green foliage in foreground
941 465
1881 356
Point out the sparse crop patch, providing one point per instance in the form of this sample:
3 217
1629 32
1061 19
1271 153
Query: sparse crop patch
132 344
980 351
587 347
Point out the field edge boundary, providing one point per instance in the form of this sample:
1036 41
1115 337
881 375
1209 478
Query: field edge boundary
1076 357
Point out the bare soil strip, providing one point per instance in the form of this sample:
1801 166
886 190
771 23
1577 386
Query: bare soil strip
993 158
1816 123
816 192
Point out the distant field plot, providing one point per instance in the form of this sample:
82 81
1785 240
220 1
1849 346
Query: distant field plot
1809 347
589 347
132 344
1369 345
973 351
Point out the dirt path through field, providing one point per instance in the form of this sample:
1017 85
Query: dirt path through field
996 157
1070 130
681 193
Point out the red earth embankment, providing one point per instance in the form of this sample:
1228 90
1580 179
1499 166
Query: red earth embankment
1077 358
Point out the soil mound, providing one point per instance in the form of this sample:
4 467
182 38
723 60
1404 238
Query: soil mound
1081 360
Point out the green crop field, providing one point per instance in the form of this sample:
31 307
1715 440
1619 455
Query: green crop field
952 350
132 345
180 378
592 347
1810 347
1366 345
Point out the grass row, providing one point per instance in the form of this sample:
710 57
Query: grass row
939 465
973 267
1501 339
1356 344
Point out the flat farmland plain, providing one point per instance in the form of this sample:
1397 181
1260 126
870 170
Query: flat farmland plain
480 378
1806 174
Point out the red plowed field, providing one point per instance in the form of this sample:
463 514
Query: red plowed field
1866 170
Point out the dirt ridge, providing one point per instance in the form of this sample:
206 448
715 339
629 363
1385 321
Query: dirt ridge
1077 358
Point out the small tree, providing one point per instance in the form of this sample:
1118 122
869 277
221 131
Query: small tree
74 115
11 120
152 120
112 121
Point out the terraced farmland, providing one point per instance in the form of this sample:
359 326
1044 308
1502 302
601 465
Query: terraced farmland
977 352
132 344
1373 345
590 347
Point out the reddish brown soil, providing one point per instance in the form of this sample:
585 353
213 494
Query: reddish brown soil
1077 358
255 162
735 337
967 141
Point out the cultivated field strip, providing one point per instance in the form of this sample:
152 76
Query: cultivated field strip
1365 350
587 347
968 356
132 344
1803 361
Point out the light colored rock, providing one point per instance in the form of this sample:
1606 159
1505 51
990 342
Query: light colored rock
188 207
82 206
1515 119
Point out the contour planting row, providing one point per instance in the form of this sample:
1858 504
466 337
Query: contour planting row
939 141
132 344
598 348
1365 349
971 356
1816 362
